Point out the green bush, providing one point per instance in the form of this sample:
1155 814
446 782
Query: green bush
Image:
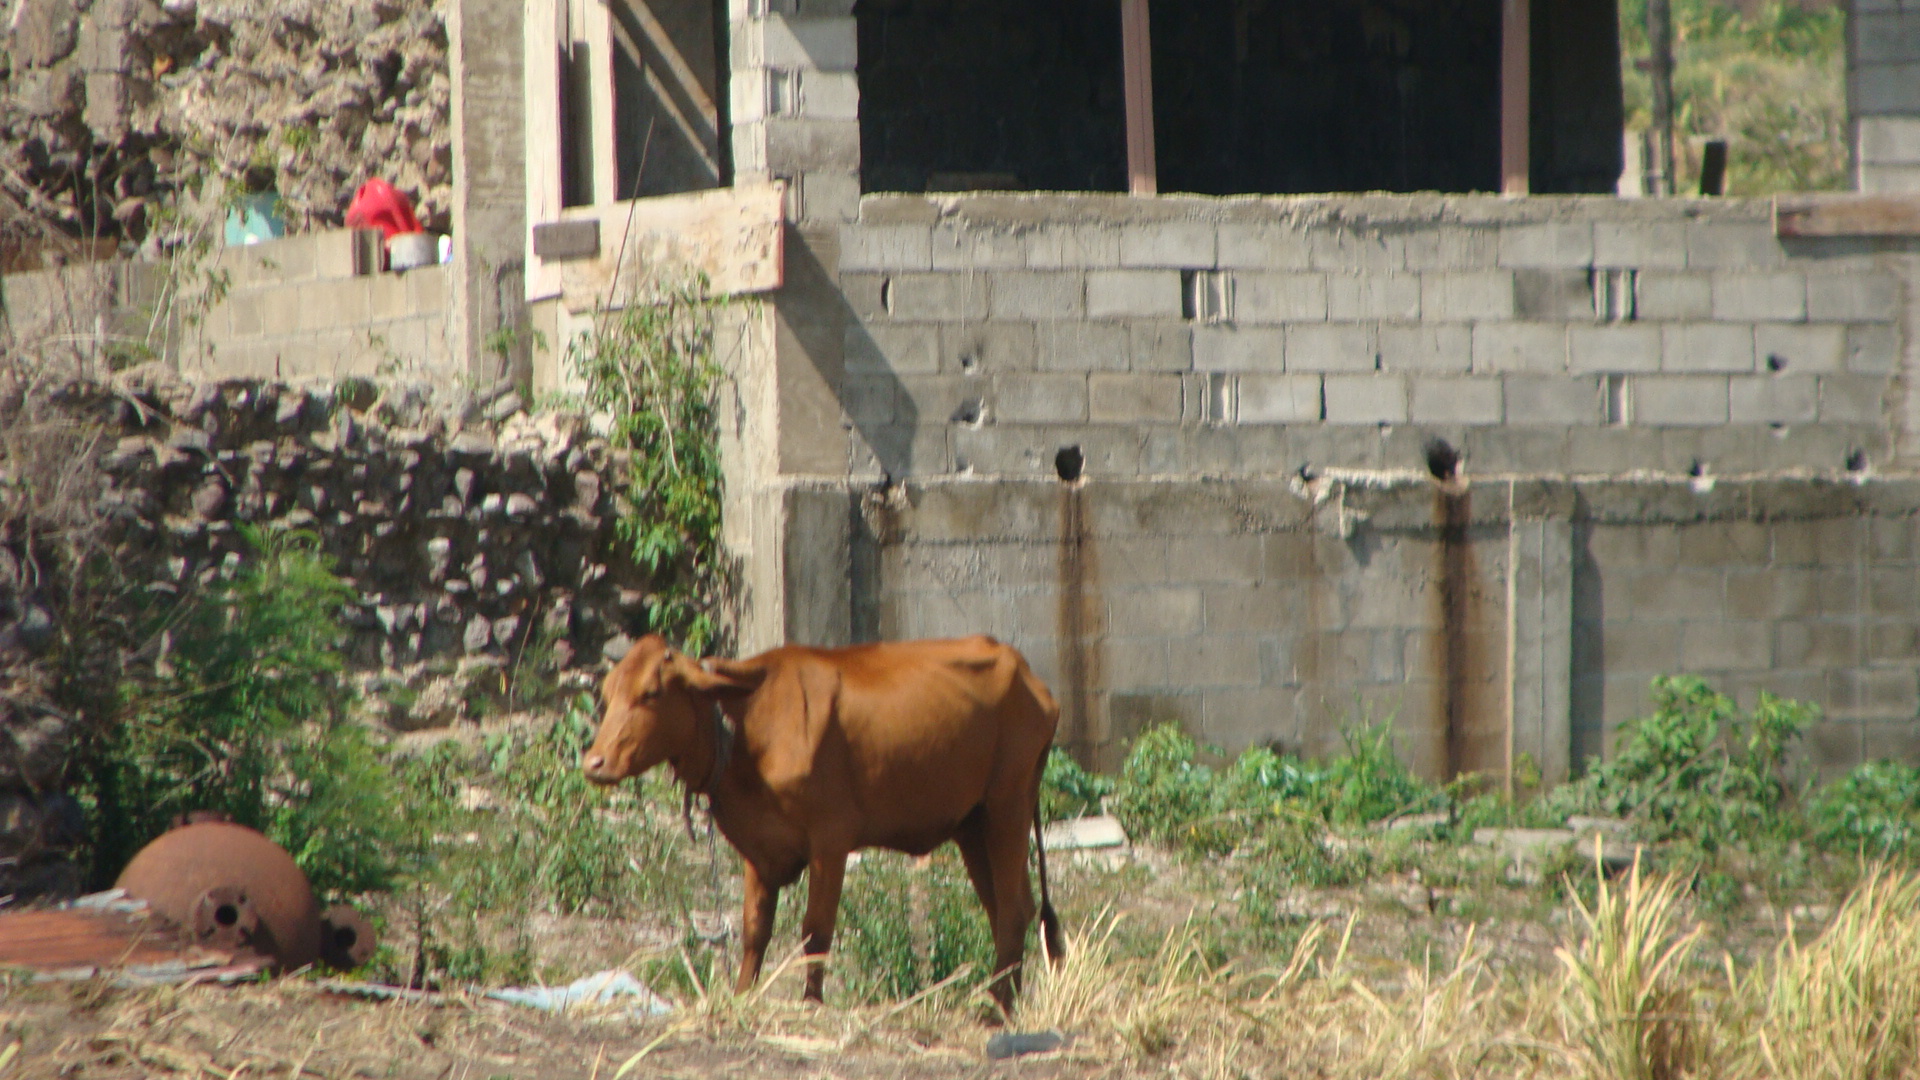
245 713
1873 810
875 940
1166 796
1069 791
1697 769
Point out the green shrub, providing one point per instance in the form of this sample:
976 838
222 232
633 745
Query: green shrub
1069 791
1166 796
1873 810
246 714
885 896
1697 769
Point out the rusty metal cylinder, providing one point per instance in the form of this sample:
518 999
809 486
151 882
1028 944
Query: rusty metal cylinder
233 889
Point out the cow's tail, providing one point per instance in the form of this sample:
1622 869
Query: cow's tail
1050 937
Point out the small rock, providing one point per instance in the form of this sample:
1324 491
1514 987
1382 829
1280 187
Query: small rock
472 444
35 629
520 506
1011 1044
505 406
478 634
190 439
292 405
210 499
617 647
1088 832
506 630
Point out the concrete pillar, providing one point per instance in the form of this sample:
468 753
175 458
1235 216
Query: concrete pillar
488 324
1540 643
1883 94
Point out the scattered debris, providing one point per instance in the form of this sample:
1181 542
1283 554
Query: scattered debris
606 989
1011 1044
108 932
1083 833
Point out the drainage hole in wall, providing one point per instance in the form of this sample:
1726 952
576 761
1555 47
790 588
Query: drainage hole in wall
1856 460
1443 461
969 364
971 412
1698 468
1069 462
1776 362
1308 472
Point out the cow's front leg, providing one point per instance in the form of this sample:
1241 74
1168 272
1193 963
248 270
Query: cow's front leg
756 927
824 875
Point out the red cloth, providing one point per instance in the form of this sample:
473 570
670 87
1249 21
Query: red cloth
380 205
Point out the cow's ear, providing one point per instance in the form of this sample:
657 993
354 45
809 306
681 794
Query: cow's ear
716 675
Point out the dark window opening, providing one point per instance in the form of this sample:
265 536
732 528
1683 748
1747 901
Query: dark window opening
669 106
991 94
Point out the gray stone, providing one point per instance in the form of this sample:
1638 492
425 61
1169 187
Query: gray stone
506 406
210 499
519 506
478 635
506 630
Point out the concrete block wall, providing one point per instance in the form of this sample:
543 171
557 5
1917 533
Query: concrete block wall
1883 93
795 103
1189 336
314 305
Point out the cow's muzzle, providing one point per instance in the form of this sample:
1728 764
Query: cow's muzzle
598 771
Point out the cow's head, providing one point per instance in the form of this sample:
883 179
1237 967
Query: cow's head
656 697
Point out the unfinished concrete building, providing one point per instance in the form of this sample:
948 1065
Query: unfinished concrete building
1056 326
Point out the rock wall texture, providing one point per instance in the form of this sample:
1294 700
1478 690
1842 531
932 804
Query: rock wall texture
112 109
478 539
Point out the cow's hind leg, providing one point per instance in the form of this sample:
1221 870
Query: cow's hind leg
971 839
824 876
1006 836
756 927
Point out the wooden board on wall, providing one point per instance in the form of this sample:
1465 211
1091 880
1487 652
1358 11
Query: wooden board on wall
733 236
1846 215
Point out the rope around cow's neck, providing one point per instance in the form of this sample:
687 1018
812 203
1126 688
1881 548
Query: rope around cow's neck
722 751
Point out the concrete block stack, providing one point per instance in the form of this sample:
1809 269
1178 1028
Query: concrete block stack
795 103
1883 94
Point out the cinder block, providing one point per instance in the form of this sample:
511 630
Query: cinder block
1552 400
1873 349
962 247
1262 247
1728 245
1160 346
1426 348
869 400
1456 401
1216 659
1279 399
829 196
1773 399
1354 297
1726 646
426 289
1853 297
1883 88
1345 248
1133 293
1780 296
1802 350
1639 245
1547 244
1553 295
1615 348
1852 399
1047 296
1679 400
948 297
245 314
1524 347
830 95
1886 38
1673 296
806 145
1128 399
785 41
1366 399
389 296
1706 347
886 247
897 348
1465 296
1452 247
1186 245
1332 348
1082 346
1228 348
1893 140
1889 179
1270 298
1171 611
1681 594
1073 247
1040 399
324 305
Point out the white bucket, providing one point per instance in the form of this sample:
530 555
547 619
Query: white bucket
408 250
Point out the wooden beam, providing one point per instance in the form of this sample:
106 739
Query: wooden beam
1136 60
1846 215
1516 97
734 237
542 140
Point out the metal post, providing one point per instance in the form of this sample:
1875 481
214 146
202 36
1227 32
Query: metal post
1136 58
1516 97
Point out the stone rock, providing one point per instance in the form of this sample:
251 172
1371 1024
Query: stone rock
519 506
34 629
191 440
210 499
506 631
472 444
615 648
507 405
45 32
41 739
478 635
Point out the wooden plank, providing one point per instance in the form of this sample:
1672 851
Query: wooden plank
598 34
1846 215
734 236
1136 60
543 126
1516 97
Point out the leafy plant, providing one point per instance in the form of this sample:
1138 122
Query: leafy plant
246 715
1697 769
650 366
1874 810
903 929
1069 791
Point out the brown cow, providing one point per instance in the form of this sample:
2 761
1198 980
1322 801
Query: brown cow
900 745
